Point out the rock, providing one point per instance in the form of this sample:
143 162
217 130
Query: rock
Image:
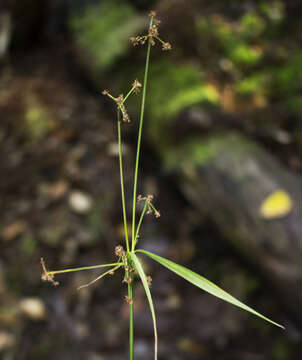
229 177
33 308
6 340
80 202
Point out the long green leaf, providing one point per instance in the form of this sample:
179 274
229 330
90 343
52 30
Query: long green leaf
142 275
204 284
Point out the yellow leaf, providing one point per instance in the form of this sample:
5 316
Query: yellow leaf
276 205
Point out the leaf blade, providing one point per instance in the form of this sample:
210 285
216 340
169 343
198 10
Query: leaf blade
142 275
205 284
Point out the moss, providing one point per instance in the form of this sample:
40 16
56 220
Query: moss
295 103
274 10
37 122
252 25
193 152
237 38
244 54
173 88
289 76
252 84
103 30
196 152
29 244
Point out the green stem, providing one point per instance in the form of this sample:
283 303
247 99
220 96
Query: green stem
80 269
101 276
130 295
140 222
139 138
122 178
129 93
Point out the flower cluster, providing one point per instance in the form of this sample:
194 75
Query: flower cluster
120 100
151 209
153 34
46 275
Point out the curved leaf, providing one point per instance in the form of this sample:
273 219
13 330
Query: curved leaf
204 284
141 273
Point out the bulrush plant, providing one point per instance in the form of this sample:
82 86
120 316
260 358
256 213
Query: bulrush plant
127 259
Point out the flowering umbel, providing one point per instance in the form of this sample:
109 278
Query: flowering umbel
152 36
148 201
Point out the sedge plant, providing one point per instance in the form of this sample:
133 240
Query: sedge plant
127 259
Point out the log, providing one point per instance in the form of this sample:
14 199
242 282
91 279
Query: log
229 177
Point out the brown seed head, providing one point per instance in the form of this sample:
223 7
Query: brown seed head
152 41
153 31
152 13
149 280
135 40
166 46
126 117
127 280
150 198
46 276
128 300
120 99
119 251
143 40
137 85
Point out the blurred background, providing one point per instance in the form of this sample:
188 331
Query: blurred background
222 149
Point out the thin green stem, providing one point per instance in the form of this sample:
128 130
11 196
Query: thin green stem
111 271
130 299
140 137
80 269
140 222
122 178
129 93
159 39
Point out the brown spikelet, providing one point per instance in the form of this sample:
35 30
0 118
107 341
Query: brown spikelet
152 13
46 276
119 251
166 46
128 300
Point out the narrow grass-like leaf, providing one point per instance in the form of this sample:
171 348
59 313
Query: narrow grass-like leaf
142 275
204 284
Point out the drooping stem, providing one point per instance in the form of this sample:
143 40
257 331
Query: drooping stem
111 271
122 178
140 137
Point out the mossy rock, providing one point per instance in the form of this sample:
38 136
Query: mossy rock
194 152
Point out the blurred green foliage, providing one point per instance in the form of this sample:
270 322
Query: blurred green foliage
193 152
103 30
252 84
173 88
